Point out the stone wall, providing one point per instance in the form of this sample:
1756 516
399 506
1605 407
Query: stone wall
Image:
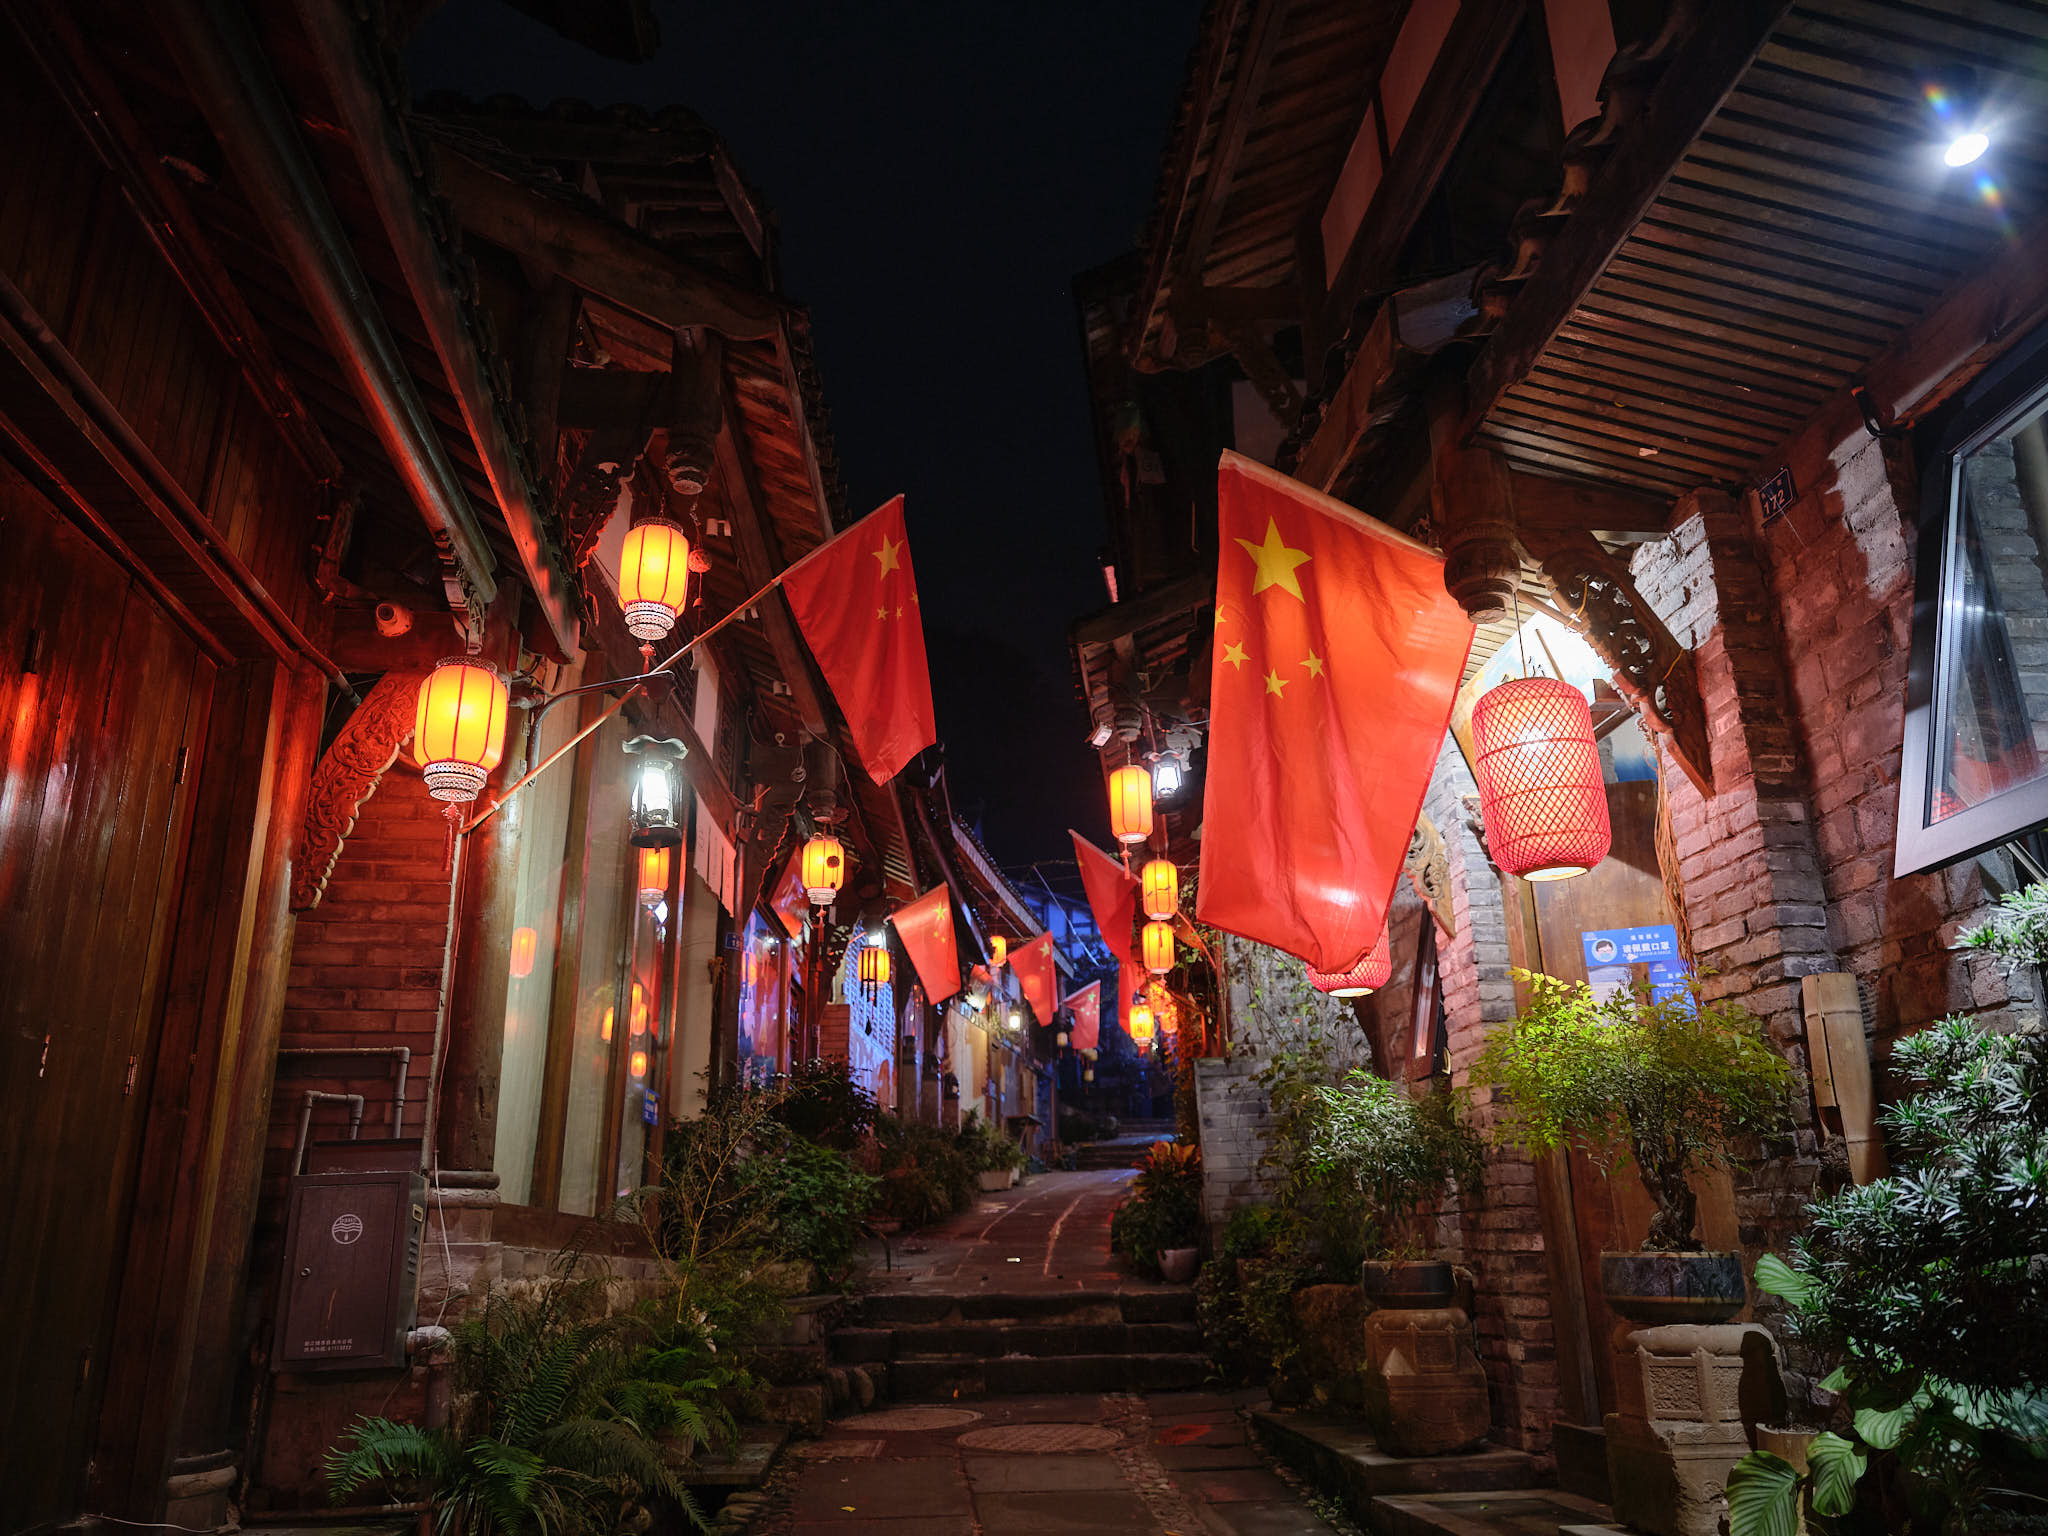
1272 1009
1499 1235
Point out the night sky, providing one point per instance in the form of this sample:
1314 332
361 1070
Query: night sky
939 172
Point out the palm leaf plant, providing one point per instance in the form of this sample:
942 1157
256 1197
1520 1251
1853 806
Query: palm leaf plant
1931 1289
559 1411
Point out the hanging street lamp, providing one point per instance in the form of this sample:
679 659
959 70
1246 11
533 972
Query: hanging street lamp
1159 881
657 792
1541 793
1130 804
458 731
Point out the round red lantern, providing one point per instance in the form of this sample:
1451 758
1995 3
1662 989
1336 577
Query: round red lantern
458 730
638 1065
1540 789
1130 804
824 869
654 577
1160 882
874 966
1369 975
1158 945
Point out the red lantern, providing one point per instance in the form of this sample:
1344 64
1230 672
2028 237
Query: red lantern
525 944
653 876
638 1065
824 869
1540 789
1160 881
998 951
1130 804
458 728
1158 944
1139 1025
1369 975
874 966
654 577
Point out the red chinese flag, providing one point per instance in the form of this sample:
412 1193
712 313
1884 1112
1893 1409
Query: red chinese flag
1037 975
791 903
1087 1007
1336 658
856 602
1112 896
926 928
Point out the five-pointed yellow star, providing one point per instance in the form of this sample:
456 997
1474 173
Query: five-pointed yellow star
1275 682
1275 562
881 613
1314 664
1234 654
887 553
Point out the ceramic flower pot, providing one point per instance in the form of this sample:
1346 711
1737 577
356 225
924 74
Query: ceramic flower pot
993 1179
1178 1265
1664 1288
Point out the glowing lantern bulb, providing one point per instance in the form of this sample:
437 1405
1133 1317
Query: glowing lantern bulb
638 1065
653 876
525 944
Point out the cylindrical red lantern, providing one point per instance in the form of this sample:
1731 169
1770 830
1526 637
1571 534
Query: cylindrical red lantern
525 944
1130 804
998 951
824 869
874 965
1139 1024
458 728
1158 945
1540 789
638 1065
1160 882
653 875
654 577
1369 975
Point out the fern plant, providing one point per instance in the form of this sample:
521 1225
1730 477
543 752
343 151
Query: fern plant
559 1414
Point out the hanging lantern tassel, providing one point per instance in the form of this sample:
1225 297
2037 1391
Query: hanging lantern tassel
1369 975
1541 793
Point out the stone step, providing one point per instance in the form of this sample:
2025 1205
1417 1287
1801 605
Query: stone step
901 1308
1340 1457
1505 1512
995 1340
944 1379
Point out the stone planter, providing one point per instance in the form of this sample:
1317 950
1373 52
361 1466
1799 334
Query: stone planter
994 1179
1331 1322
1687 1387
1424 1389
1178 1265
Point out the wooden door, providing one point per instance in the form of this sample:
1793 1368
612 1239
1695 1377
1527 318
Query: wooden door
102 710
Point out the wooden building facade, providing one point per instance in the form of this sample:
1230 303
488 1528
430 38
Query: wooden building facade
306 388
1680 331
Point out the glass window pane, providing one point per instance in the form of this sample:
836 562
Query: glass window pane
611 876
1992 685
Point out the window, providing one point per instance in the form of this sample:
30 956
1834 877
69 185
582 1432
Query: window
1974 772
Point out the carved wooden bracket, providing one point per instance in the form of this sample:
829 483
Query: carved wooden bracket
347 776
1475 513
1428 866
1656 674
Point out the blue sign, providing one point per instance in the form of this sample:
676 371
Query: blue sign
1610 952
650 1109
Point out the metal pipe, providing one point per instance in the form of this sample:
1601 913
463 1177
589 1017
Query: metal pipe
354 1101
234 87
442 997
403 1053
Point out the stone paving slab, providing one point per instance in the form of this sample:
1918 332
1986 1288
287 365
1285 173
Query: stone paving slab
1205 1457
1242 1486
1041 1474
1513 1512
1061 1514
879 1490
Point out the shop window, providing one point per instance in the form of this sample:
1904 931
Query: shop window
1974 771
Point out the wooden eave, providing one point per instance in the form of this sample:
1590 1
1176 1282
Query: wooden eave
1725 276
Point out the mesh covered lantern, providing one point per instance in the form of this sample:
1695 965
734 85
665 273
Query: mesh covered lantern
654 577
824 869
1160 884
458 731
1369 975
1130 804
1540 789
1158 947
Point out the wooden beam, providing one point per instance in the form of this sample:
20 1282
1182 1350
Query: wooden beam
1543 502
1698 79
1269 25
1106 625
603 258
760 558
612 397
1356 408
1471 51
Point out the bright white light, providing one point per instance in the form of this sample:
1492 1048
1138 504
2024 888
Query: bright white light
1166 778
656 799
1966 147
1016 1019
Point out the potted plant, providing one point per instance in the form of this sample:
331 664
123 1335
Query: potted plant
1158 1228
1669 1082
1926 1287
996 1159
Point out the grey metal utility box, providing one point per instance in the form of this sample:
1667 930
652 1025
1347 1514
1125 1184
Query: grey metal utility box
351 1276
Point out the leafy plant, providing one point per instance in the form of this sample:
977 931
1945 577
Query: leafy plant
1244 1297
1163 1210
558 1409
1359 1160
823 1103
1929 1287
2017 930
925 1176
988 1149
817 1202
1670 1081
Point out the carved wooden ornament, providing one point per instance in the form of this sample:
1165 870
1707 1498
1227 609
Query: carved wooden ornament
1428 867
347 776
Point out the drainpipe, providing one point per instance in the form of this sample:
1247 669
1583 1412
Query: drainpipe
233 85
314 1096
401 1055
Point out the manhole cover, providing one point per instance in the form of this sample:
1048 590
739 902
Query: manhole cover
1040 1437
840 1450
897 1420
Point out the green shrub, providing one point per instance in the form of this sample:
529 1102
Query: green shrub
924 1174
987 1149
1244 1297
823 1103
1163 1210
1930 1287
2017 930
1672 1081
818 1203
